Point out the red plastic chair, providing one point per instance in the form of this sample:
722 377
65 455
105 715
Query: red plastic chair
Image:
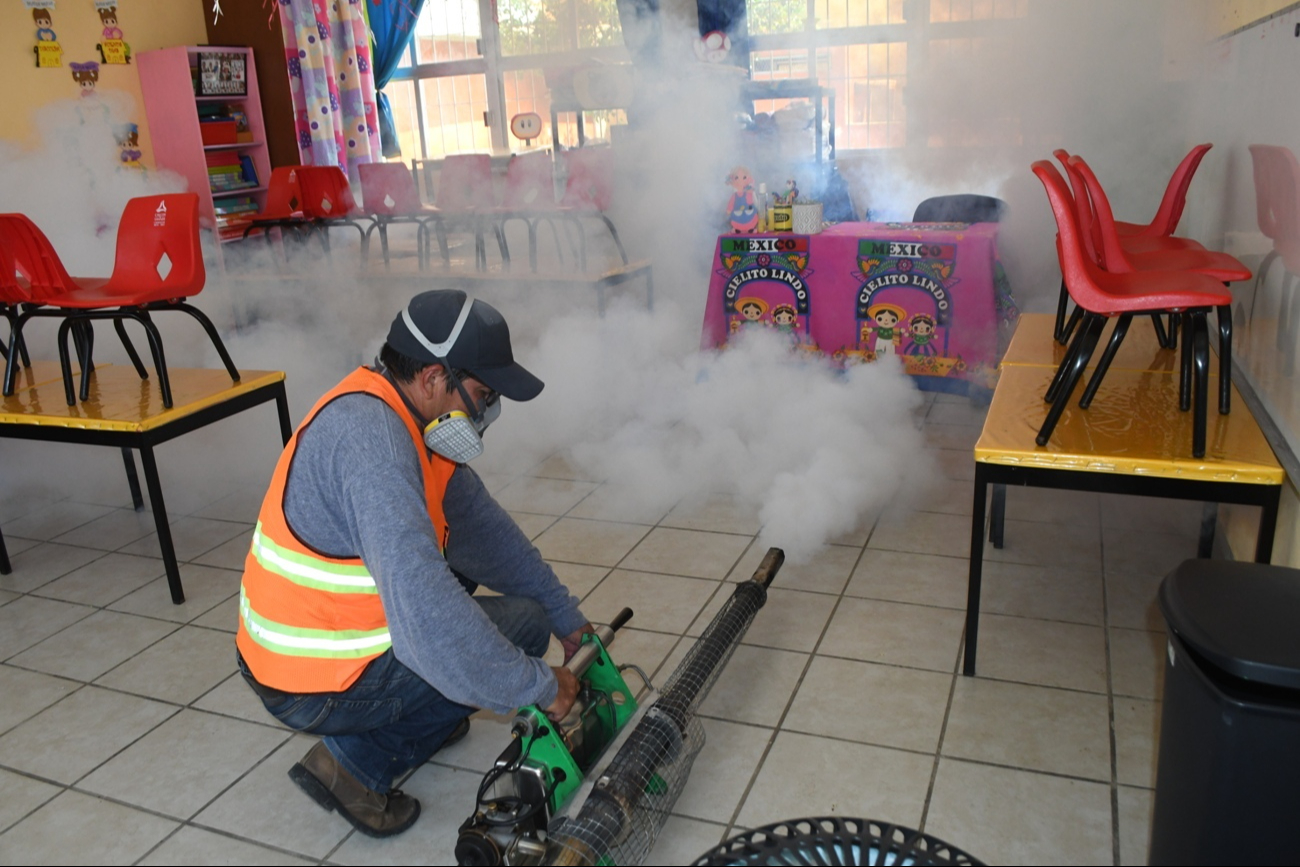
1171 205
1103 294
159 264
465 201
283 207
1222 267
390 197
33 274
327 201
530 196
589 191
1130 243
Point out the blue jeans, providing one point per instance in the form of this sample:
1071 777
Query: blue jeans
391 720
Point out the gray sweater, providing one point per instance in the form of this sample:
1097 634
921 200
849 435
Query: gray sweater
355 489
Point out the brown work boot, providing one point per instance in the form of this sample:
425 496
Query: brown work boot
320 775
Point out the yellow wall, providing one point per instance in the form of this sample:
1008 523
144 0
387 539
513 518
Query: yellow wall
1228 15
145 25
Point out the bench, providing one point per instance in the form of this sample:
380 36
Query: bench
600 281
1131 441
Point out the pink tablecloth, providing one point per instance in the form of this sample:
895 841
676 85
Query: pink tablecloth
931 296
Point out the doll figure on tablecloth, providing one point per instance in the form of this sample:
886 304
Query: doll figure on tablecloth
751 311
885 328
741 211
784 319
920 331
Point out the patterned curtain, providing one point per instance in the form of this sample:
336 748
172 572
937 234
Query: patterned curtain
328 48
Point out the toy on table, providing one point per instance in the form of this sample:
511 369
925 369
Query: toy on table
741 211
790 195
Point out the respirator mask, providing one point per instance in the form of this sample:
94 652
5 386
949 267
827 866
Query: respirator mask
456 436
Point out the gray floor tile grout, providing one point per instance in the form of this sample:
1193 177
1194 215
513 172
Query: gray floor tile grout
776 730
943 732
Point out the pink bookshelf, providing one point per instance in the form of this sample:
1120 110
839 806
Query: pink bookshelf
171 106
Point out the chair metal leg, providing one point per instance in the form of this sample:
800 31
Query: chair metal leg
1225 358
1062 304
1185 364
1075 363
1201 360
1162 336
1103 364
1073 323
1175 321
1063 368
212 335
65 362
609 224
156 348
130 349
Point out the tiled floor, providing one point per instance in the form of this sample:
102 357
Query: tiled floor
127 737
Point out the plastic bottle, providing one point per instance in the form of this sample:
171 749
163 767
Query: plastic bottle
760 202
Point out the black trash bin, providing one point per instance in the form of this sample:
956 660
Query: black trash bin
1228 778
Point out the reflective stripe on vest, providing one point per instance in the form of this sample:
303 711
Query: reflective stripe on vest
320 643
308 571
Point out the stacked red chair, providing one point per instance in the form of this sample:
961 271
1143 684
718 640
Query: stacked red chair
158 266
465 201
1156 235
391 198
283 208
327 202
1103 294
589 192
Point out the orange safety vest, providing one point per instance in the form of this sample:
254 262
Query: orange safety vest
307 622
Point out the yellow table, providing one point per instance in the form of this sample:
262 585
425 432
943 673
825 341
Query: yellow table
1133 440
1033 345
126 412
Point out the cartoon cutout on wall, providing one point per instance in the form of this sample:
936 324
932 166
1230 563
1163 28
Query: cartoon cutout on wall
86 75
128 141
884 325
741 211
49 53
112 48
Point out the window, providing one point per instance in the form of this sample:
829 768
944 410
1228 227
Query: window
466 74
460 82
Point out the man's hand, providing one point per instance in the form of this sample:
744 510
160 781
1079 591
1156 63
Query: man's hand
566 692
573 642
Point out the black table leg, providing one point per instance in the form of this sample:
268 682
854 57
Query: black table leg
160 521
132 480
976 572
1267 525
997 515
5 567
282 409
1209 520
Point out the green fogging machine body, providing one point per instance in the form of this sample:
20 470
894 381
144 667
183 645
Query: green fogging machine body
597 786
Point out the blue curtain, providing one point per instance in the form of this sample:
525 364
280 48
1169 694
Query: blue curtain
392 22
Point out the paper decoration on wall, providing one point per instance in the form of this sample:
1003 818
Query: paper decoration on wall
48 51
128 141
112 47
86 75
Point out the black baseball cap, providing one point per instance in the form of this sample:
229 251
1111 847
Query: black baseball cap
446 326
